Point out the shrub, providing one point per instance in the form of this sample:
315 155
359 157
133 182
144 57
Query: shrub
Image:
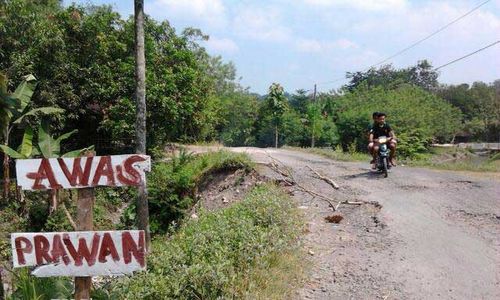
416 115
172 185
211 257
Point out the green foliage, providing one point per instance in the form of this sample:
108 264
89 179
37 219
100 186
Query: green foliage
211 257
49 146
172 185
32 288
238 117
412 143
299 101
421 75
83 59
480 106
413 113
276 102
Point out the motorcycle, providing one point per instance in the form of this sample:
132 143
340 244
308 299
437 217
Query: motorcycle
382 162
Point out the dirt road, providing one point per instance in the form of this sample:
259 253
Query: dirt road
435 236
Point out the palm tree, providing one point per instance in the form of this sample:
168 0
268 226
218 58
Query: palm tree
140 124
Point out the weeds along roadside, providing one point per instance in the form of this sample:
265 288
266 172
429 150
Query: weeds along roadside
248 249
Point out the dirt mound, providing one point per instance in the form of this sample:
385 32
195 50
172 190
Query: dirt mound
225 187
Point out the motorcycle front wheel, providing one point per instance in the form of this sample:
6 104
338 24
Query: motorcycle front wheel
385 166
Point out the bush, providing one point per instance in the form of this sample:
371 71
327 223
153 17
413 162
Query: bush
172 185
211 257
416 115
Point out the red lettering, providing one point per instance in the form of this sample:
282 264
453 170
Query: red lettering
58 250
44 172
104 168
108 248
42 247
77 176
20 250
83 250
129 247
135 179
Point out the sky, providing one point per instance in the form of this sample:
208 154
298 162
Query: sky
298 43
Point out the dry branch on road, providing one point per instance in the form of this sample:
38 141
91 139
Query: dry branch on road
324 178
287 177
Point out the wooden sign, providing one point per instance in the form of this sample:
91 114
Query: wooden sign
82 172
82 253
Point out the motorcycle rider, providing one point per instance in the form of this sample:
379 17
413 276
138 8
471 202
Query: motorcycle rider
377 129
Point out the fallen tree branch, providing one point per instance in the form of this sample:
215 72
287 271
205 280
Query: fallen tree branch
288 176
324 178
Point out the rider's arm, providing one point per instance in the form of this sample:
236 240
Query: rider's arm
370 138
392 134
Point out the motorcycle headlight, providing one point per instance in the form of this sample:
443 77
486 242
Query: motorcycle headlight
382 140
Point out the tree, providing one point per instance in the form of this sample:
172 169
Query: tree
238 116
140 124
277 105
299 101
421 75
314 118
480 106
413 113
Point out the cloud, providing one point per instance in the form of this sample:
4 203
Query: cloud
261 24
222 45
313 45
371 5
208 12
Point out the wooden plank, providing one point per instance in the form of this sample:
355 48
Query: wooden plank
80 253
82 172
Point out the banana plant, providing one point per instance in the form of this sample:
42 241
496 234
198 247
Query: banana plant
14 109
47 146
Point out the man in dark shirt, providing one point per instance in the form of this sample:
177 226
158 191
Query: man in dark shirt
377 129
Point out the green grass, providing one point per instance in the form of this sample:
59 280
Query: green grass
440 159
248 250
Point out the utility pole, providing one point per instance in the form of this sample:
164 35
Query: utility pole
140 123
313 125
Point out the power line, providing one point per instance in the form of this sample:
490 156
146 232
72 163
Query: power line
431 35
465 56
418 42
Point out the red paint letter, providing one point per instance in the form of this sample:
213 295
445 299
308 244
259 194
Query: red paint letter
130 246
129 168
104 168
77 177
83 250
44 172
58 250
21 250
107 248
42 247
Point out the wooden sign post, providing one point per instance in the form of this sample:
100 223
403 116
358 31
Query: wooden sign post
85 217
83 253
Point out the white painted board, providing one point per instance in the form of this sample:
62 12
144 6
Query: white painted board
80 253
82 172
